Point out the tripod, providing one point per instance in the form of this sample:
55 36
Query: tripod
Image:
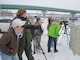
35 37
65 35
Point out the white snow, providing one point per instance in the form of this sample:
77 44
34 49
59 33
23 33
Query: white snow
65 53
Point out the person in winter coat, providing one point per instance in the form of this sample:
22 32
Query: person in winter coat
53 34
10 40
25 41
37 35
49 22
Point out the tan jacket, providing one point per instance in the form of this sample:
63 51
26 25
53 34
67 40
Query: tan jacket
9 42
37 31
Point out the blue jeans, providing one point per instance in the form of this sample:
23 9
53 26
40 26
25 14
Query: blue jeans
0 56
9 57
50 42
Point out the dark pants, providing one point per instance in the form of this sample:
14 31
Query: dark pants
50 41
23 46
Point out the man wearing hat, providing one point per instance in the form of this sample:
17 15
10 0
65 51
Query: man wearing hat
10 40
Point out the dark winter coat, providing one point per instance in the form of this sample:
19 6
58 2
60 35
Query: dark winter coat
27 34
9 42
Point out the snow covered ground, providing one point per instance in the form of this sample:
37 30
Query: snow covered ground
65 53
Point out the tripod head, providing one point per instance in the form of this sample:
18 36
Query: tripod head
63 28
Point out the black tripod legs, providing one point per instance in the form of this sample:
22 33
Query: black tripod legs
40 47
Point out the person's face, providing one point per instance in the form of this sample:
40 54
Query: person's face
39 21
24 15
19 28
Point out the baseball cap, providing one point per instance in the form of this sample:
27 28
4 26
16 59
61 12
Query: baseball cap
18 22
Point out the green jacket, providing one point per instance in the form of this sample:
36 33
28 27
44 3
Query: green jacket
54 30
28 31
27 37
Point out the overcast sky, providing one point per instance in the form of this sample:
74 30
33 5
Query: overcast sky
64 4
